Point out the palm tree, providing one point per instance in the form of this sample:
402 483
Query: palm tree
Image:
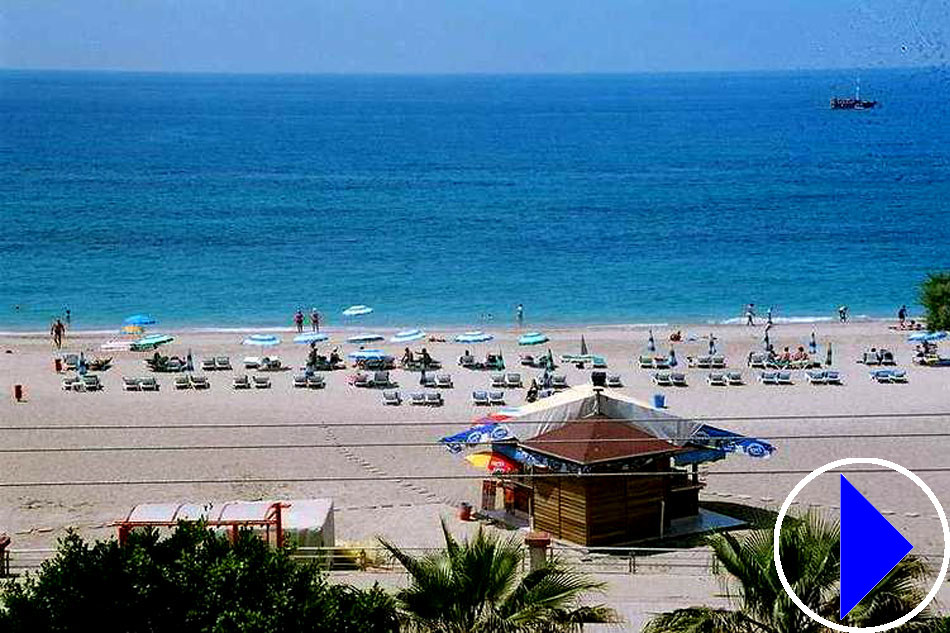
810 558
476 586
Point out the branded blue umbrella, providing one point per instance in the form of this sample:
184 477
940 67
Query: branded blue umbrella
262 340
927 336
139 319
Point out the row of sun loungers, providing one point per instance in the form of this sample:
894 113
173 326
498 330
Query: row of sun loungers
192 382
379 379
147 383
889 376
669 379
89 382
877 357
488 398
707 362
827 377
725 379
219 363
426 398
511 380
302 381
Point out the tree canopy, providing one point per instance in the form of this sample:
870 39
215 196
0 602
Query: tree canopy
935 297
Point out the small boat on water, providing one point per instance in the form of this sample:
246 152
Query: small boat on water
532 338
407 336
365 338
852 103
357 310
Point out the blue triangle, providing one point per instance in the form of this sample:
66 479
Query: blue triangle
870 547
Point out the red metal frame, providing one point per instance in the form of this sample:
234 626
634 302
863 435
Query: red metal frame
274 517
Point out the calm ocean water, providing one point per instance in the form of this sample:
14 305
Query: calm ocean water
232 200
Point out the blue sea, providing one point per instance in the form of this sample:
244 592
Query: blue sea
230 201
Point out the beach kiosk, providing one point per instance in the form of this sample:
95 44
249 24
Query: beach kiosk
301 522
595 467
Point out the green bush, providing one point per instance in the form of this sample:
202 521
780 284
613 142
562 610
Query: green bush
194 581
935 297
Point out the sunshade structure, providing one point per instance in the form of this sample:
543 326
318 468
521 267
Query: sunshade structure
132 330
262 340
812 344
311 337
492 462
150 342
533 338
649 455
928 337
584 350
139 319
365 354
473 337
407 336
357 310
365 338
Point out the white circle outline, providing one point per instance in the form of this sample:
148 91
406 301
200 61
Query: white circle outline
848 461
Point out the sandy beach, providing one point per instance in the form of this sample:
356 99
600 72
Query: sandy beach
809 426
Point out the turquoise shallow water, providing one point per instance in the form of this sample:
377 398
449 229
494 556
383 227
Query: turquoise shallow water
231 200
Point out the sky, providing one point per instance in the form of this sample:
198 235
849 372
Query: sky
471 36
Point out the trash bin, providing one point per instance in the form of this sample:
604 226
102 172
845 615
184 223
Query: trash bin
659 401
18 393
465 511
58 364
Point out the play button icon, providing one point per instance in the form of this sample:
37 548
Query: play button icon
870 547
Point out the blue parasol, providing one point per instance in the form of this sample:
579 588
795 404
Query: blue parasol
262 340
311 337
139 319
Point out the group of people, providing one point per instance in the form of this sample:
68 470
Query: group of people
424 359
314 320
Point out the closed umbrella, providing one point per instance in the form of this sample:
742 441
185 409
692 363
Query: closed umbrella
672 360
766 342
584 351
828 356
189 362
651 344
812 344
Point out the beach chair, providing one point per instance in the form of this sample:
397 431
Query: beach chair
443 381
734 378
527 360
718 362
417 398
496 397
148 383
784 378
71 361
598 362
661 362
678 379
251 362
513 380
498 381
758 360
898 376
208 364
182 382
716 379
768 377
300 381
175 365
222 363
428 381
434 399
361 380
392 397
69 381
662 379
91 382
880 375
131 384
241 382
480 398
614 382
815 377
467 361
699 362
200 382
832 377
646 362
316 382
559 382
261 382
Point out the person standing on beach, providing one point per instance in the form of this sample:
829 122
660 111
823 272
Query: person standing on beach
57 332
314 320
69 315
902 316
298 321
843 314
768 317
519 314
750 314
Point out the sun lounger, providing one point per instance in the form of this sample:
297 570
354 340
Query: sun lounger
734 378
832 377
361 380
417 398
784 378
91 382
646 362
718 362
758 360
661 363
71 361
496 397
175 365
300 381
381 379
148 383
887 358
69 381
614 382
467 361
898 375
270 364
428 381
527 360
662 379
699 362
815 377
443 381
544 393
768 377
513 380
559 382
261 382
316 382
480 398
251 362
392 397
208 365
182 382
498 380
678 379
131 384
434 399
716 379
200 382
598 362
241 382
222 363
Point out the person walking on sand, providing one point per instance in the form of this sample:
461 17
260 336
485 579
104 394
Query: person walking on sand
69 315
750 314
298 321
901 316
314 320
57 332
843 314
519 314
768 317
